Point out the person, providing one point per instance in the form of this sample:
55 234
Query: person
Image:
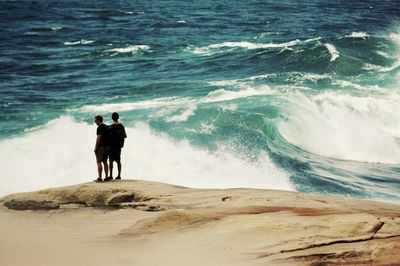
118 136
102 147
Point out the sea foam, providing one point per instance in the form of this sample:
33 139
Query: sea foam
130 49
128 106
208 50
223 95
395 37
175 109
50 157
82 41
359 34
344 126
333 51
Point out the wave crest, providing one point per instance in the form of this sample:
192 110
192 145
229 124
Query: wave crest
207 50
82 41
130 49
343 126
333 51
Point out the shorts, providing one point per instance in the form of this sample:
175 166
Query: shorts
115 154
102 154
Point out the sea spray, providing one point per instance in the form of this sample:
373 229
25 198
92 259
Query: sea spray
69 159
346 127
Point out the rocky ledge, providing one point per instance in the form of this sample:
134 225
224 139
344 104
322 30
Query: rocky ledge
265 227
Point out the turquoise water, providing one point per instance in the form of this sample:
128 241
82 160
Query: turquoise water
263 94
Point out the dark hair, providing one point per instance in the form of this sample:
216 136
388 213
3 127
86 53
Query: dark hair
99 117
115 116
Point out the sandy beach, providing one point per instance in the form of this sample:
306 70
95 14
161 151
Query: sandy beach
134 222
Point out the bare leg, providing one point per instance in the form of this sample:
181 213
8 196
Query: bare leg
105 168
111 168
99 169
119 169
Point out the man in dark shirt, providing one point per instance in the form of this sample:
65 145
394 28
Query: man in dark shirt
102 147
118 136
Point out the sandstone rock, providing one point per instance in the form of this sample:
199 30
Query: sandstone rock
265 227
22 205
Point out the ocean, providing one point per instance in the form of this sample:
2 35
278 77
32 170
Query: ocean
289 95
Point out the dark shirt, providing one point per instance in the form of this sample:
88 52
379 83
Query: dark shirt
105 135
118 136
